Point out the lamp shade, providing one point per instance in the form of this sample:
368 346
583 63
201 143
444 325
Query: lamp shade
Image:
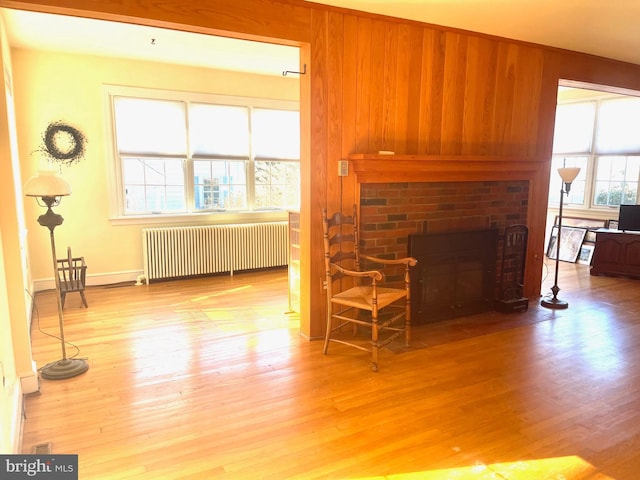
568 174
47 184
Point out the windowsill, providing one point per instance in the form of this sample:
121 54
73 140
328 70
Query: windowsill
209 218
603 213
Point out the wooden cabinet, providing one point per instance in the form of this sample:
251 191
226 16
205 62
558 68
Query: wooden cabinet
294 262
616 253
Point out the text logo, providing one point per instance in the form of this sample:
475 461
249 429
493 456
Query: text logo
52 467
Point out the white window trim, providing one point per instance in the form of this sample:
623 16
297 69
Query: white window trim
114 167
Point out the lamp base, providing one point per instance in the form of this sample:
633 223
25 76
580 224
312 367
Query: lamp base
65 368
554 303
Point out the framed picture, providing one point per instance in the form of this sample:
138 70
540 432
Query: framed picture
586 254
612 224
570 243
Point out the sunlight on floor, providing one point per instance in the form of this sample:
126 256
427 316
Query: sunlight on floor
204 298
559 468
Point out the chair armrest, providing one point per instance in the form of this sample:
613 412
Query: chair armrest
373 274
409 261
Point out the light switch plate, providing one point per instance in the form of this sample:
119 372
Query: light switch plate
343 168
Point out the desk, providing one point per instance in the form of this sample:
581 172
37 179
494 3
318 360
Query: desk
616 253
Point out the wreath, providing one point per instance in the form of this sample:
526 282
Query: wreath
63 143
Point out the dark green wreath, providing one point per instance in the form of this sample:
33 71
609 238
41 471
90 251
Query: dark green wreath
63 143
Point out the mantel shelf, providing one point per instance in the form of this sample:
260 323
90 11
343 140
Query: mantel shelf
380 168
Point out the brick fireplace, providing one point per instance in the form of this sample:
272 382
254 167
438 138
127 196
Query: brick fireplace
404 195
389 212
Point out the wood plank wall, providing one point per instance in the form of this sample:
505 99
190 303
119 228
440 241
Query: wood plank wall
378 83
418 90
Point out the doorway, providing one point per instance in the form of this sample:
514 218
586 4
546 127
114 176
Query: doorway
592 132
151 41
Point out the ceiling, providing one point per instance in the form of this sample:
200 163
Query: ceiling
607 29
604 28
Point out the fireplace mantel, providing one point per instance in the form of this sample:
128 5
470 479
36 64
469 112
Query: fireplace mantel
379 168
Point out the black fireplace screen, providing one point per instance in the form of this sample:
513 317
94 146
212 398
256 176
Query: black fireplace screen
455 275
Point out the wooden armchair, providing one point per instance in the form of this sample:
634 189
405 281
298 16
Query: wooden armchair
357 297
72 273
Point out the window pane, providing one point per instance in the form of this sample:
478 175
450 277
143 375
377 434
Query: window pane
203 187
619 126
219 130
235 197
150 126
134 199
632 173
576 193
276 134
616 180
154 173
277 184
574 127
153 185
220 184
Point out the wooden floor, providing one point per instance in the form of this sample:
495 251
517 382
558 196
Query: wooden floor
209 378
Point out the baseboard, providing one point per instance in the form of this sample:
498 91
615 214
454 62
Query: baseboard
15 420
29 380
92 279
310 338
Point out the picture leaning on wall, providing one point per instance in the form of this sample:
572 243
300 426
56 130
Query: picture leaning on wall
570 243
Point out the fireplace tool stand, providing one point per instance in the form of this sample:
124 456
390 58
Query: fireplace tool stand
514 248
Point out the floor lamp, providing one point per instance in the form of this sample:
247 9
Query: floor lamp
50 188
568 175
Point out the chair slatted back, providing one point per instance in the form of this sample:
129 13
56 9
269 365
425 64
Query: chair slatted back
340 244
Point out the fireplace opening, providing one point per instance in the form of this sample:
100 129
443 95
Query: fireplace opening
455 275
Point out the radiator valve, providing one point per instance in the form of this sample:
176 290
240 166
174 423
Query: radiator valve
141 280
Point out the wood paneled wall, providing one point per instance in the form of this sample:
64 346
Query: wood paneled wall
419 90
378 83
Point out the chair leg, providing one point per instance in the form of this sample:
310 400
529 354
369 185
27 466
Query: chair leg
327 332
407 325
84 300
63 297
374 341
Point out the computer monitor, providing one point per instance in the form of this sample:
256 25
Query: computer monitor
629 218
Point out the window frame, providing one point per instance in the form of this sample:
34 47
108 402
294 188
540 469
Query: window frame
115 176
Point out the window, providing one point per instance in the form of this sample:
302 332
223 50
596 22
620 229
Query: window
602 137
195 153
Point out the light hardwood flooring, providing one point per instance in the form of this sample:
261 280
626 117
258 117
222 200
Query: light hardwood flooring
209 378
